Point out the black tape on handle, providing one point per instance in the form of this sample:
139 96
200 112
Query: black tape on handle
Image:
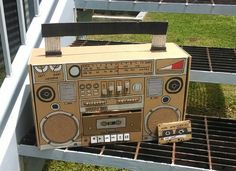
102 28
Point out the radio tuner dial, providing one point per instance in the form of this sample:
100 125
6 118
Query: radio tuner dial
74 71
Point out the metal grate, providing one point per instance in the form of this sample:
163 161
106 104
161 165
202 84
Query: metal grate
227 2
213 146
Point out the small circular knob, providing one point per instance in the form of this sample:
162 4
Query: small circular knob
74 71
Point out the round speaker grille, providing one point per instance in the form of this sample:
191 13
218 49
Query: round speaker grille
60 128
46 94
174 85
161 114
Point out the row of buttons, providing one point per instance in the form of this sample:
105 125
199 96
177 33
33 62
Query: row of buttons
88 86
110 138
94 103
89 93
128 100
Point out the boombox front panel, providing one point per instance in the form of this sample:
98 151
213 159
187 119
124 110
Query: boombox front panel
78 103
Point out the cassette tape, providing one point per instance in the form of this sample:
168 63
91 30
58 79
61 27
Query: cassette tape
174 132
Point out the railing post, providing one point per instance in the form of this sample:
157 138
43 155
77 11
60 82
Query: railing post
4 40
36 7
20 11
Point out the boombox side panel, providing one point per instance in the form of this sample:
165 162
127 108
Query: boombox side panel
30 68
187 86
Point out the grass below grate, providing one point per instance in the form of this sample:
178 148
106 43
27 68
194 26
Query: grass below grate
53 165
212 100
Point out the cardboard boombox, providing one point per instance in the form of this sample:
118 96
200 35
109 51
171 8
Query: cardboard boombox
106 94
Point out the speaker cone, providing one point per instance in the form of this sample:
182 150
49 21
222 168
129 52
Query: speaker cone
161 114
174 85
59 128
46 94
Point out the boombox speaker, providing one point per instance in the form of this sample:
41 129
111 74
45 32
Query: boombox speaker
106 94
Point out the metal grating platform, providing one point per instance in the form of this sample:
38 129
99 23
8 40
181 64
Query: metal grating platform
209 64
226 2
225 7
213 147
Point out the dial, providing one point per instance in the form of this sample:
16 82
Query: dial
137 87
41 68
55 67
74 71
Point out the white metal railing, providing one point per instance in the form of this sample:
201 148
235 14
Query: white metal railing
17 70
5 44
155 6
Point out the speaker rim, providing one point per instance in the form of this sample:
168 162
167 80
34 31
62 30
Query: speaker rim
168 82
148 131
44 119
42 99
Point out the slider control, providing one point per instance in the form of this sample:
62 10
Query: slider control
119 87
111 87
127 87
104 89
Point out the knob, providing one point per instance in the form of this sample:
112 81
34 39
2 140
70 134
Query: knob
137 87
74 71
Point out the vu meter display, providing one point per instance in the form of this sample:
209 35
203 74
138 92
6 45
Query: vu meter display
91 96
117 68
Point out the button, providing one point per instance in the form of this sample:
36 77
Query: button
82 92
165 99
120 137
82 86
95 92
107 138
100 139
113 138
88 86
55 106
94 139
96 85
126 137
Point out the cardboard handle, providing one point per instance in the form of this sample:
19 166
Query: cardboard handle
52 32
